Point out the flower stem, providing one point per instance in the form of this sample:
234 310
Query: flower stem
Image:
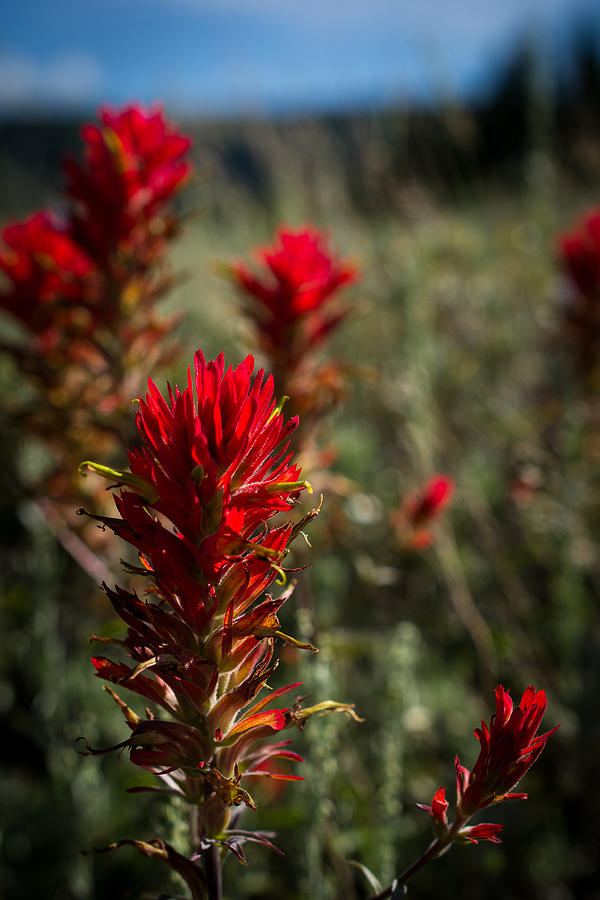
212 869
435 849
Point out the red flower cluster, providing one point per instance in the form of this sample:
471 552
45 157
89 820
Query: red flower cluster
509 747
579 257
133 164
421 509
85 288
213 469
299 278
291 305
52 280
117 224
579 253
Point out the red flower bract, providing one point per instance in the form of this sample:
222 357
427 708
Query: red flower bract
486 831
579 257
438 810
509 747
49 276
298 279
133 165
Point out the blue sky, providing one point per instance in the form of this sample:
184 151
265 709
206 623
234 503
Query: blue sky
226 56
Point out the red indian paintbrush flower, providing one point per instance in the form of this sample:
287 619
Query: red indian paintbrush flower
292 294
509 747
50 279
86 288
420 509
214 467
579 257
133 166
429 503
290 300
579 254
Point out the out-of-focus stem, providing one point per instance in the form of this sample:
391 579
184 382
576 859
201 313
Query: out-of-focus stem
72 543
465 607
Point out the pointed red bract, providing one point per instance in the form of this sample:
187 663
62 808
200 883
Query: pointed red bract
430 501
579 253
438 810
509 747
218 468
487 831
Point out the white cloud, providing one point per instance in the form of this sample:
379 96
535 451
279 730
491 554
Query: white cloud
475 17
70 79
73 78
18 79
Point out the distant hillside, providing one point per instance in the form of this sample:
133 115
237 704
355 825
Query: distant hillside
369 157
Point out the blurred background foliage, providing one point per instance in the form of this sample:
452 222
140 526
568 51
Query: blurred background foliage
460 367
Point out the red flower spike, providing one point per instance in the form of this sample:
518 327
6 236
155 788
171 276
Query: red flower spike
85 288
421 509
51 280
212 469
578 255
290 298
298 279
509 747
133 164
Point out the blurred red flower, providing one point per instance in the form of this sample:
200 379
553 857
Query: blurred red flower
49 278
579 253
579 257
297 281
133 164
86 288
420 509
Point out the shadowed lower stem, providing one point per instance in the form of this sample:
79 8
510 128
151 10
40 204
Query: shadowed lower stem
435 849
212 869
